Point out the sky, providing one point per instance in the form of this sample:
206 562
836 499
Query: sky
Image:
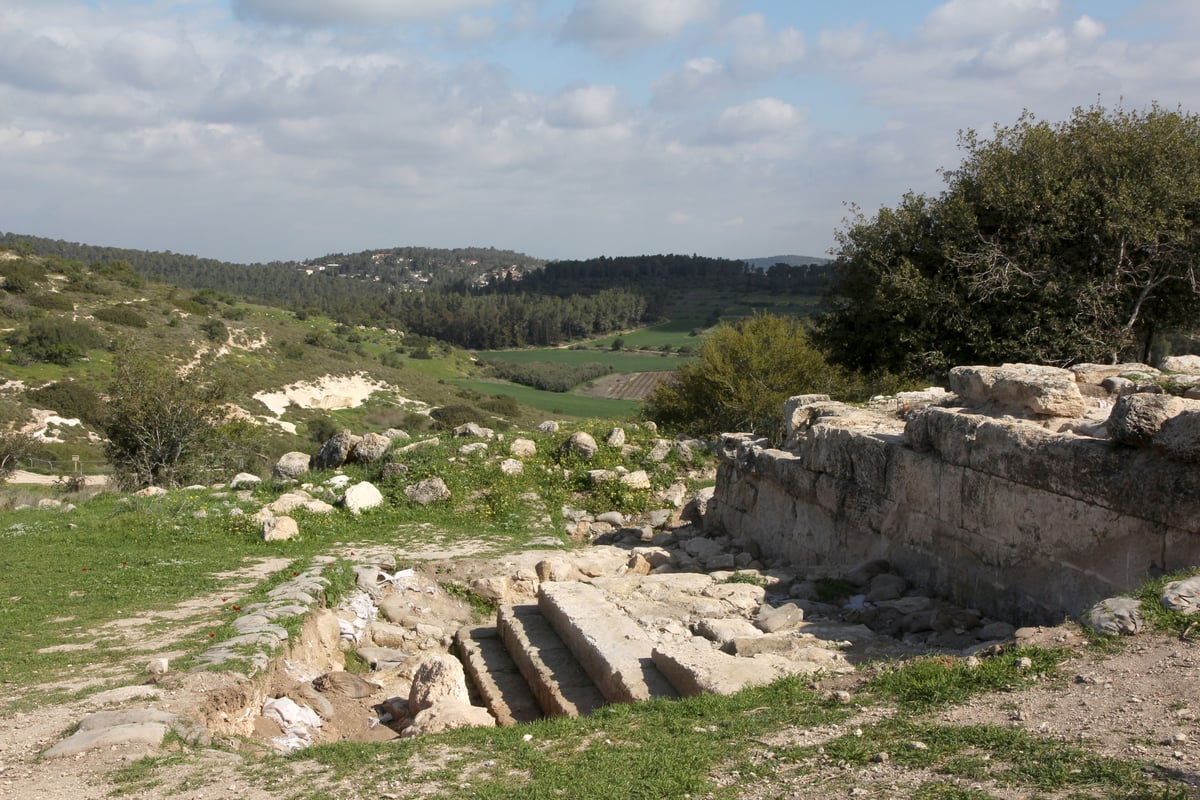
262 130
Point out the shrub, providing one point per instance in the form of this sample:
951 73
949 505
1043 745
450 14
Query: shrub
214 330
71 399
322 429
448 417
162 428
14 447
501 404
55 341
548 377
121 315
50 302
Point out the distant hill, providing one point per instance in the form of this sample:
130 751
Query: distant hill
790 260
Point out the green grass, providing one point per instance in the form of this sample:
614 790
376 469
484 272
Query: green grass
926 683
565 404
619 360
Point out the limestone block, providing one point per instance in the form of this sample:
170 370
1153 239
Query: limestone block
1116 615
279 529
1186 364
474 429
334 452
447 715
369 449
362 496
771 619
1020 389
1182 596
438 677
427 491
1179 437
582 445
615 438
695 669
1137 418
523 448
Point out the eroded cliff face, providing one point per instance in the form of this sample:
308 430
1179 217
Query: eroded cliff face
1022 512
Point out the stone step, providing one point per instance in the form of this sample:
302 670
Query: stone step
615 652
559 683
500 683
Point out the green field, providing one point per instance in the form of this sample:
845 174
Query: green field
556 403
619 360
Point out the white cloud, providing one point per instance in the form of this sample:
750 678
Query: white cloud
618 24
766 116
325 12
1087 28
474 29
759 51
585 107
966 19
697 80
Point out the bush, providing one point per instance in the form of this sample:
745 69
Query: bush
14 448
121 315
501 404
448 417
214 330
71 399
322 429
744 373
163 428
55 341
50 302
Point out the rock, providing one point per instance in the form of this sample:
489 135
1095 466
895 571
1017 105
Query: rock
523 448
244 479
396 433
438 678
582 445
1188 364
683 451
1116 616
786 617
474 429
511 466
723 631
1182 596
279 529
1137 418
549 426
659 451
995 631
360 497
1097 374
1180 435
1020 389
697 507
290 466
288 502
638 479
150 491
473 447
615 438
614 518
886 586
864 573
427 491
369 449
158 666
674 495
345 683
335 450
447 715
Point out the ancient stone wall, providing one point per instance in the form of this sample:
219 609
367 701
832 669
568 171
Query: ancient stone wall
1020 518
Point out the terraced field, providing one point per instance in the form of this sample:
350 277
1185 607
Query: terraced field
627 386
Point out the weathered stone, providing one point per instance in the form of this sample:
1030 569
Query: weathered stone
1182 596
523 448
1179 437
474 429
511 466
369 449
150 491
697 507
1020 389
361 497
659 451
279 529
244 479
723 631
886 586
1116 616
427 491
582 445
448 715
615 438
555 677
786 617
335 450
1097 374
495 676
547 427
1137 418
473 447
695 669
1189 364
345 683
638 479
438 678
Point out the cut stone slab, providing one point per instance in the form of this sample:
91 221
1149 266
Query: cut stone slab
695 669
722 631
560 685
495 675
613 650
136 726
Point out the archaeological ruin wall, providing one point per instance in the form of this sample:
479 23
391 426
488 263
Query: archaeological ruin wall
1028 493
